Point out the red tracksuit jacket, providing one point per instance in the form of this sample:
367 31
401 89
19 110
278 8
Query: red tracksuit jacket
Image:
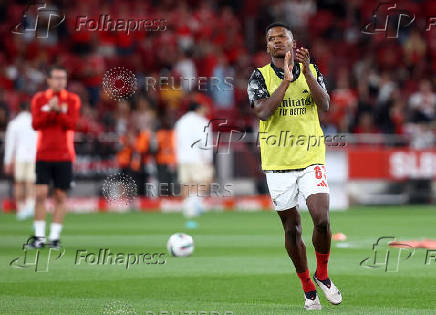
55 130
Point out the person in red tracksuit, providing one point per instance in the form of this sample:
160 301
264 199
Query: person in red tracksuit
55 113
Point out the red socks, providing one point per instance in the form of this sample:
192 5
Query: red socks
321 265
306 281
321 272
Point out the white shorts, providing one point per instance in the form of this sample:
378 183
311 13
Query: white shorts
195 173
25 172
285 187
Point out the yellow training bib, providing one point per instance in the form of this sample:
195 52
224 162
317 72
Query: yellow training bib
292 137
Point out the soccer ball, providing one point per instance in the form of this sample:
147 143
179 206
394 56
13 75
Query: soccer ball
180 245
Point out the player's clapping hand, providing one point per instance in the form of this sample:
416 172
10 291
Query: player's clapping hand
302 56
63 108
288 66
53 104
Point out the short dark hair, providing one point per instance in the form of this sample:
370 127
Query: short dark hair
55 67
278 24
193 106
24 106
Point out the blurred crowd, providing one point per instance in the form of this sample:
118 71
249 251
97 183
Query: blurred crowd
377 84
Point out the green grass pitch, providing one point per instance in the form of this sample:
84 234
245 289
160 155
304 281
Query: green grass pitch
239 265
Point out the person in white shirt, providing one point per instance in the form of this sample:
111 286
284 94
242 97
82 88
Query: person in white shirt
423 103
194 154
19 160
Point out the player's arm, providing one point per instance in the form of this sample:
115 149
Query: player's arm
319 93
69 115
265 107
42 116
207 146
10 143
177 141
264 104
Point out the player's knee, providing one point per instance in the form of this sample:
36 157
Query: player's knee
19 194
322 225
40 196
60 195
293 232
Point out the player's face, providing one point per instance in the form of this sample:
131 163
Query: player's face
279 41
57 80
